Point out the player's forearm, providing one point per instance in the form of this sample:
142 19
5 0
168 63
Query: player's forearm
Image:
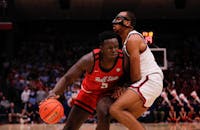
60 86
135 73
135 76
72 74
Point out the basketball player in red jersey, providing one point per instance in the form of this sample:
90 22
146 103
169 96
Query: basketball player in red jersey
103 68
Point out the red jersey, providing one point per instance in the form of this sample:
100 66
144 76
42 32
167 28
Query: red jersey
100 80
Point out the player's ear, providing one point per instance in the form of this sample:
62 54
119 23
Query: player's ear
127 23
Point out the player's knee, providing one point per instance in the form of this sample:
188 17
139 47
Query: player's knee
103 112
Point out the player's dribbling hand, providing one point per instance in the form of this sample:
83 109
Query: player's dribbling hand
51 95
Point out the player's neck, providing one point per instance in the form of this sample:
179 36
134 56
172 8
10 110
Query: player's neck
107 63
108 60
125 34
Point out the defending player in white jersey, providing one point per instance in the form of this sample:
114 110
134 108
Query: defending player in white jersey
145 75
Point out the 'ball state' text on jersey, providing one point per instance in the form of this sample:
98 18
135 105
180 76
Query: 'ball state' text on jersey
106 78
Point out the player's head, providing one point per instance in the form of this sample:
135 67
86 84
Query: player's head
109 44
125 19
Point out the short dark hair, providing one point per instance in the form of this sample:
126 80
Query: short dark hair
106 35
132 18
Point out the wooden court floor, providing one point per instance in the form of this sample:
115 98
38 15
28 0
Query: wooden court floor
116 126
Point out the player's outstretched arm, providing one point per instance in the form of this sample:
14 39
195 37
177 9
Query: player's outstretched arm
76 71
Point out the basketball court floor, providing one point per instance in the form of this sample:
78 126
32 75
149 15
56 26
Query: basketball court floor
116 126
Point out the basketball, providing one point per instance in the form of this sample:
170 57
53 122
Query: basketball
51 111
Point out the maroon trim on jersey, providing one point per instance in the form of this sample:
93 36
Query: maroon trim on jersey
96 56
120 53
96 53
137 88
121 56
84 106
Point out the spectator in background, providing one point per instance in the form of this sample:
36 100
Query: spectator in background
5 103
13 113
191 115
23 117
2 110
183 115
172 116
197 117
32 97
160 110
195 87
164 95
31 112
35 82
3 114
75 89
172 90
40 95
25 96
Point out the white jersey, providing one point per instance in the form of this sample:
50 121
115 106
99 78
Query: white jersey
148 64
150 86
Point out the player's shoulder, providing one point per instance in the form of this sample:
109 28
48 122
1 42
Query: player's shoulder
96 51
135 40
135 37
86 61
88 57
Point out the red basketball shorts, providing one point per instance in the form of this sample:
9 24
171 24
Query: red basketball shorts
87 101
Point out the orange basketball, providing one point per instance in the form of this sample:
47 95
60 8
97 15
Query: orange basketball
51 111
